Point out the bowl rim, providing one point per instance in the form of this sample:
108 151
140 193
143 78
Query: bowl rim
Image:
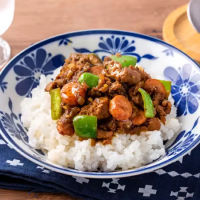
73 172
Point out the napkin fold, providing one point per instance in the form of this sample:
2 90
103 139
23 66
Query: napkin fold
178 181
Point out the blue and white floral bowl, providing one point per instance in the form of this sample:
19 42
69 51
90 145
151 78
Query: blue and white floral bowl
22 74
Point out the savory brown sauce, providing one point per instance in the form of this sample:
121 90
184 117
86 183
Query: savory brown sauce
115 100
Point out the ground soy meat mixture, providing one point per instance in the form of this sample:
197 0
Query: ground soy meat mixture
115 100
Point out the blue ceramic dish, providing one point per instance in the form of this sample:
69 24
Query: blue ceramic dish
22 74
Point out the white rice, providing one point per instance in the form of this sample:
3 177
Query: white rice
127 151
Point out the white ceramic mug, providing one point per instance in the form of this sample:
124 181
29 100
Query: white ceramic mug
6 17
193 13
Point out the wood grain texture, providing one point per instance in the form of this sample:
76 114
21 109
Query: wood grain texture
36 20
178 31
22 195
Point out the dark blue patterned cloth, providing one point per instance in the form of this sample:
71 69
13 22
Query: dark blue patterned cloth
178 181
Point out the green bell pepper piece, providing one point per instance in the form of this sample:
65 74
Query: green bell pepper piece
167 85
56 110
126 61
90 79
94 59
85 126
148 104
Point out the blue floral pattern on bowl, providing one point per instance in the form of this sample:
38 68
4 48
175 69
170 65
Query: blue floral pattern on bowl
22 74
168 52
9 121
3 86
13 124
183 144
29 70
185 88
65 41
113 45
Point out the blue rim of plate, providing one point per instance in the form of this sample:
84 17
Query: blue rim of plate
74 172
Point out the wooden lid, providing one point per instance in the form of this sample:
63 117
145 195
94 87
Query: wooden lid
178 31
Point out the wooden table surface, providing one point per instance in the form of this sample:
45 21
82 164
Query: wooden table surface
36 20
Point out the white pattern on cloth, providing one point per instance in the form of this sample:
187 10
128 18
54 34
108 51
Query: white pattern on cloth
147 191
15 162
173 173
182 190
116 185
81 179
43 169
